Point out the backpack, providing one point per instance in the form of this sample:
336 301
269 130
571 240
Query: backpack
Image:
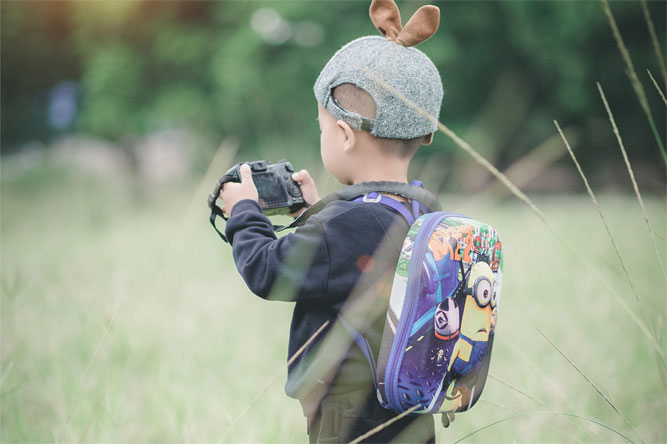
438 335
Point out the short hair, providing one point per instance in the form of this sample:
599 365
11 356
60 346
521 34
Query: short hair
353 98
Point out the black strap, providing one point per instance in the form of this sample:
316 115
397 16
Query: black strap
216 211
402 189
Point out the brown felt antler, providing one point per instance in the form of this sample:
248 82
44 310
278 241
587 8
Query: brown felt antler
421 26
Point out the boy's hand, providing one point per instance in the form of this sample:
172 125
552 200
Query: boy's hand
308 189
232 192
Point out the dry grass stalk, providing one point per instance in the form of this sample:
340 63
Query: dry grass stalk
597 206
571 437
521 196
498 406
657 87
86 374
632 178
272 380
592 384
632 74
4 375
191 218
470 150
305 345
385 424
571 415
654 40
507 384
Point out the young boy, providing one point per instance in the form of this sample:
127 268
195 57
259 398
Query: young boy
350 248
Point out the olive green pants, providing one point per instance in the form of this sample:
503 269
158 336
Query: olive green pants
345 417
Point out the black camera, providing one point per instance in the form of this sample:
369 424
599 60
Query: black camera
278 193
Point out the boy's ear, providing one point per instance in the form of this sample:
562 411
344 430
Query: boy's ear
428 139
350 135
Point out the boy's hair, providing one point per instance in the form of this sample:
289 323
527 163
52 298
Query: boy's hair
355 99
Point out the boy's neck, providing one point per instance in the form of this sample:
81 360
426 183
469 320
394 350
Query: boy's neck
381 176
376 167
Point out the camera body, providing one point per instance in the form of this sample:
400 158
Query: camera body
278 193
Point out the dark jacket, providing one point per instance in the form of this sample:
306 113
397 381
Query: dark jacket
319 267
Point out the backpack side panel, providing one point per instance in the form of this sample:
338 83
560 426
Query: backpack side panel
440 325
396 302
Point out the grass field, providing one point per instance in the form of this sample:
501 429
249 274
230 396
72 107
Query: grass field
124 320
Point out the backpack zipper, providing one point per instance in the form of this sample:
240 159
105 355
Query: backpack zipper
403 330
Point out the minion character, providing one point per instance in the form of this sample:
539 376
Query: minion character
446 320
476 322
468 353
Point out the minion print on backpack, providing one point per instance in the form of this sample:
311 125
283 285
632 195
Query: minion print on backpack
438 337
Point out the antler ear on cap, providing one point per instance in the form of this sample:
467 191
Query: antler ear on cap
386 18
421 26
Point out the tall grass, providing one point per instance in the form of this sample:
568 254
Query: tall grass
123 318
631 173
632 74
599 210
654 40
655 84
180 364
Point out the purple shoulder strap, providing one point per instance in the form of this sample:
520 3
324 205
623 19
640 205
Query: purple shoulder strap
410 217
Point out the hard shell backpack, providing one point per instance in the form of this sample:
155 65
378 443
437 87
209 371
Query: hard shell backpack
440 325
438 335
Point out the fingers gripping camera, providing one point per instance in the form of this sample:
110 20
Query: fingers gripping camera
277 192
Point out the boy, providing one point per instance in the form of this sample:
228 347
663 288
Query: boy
350 248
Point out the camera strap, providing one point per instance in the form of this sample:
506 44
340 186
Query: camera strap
216 210
405 190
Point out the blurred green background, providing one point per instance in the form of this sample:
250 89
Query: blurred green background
123 71
122 316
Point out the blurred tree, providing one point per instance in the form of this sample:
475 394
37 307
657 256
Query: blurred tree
35 58
247 69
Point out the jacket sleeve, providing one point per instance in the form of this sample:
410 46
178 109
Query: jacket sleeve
291 268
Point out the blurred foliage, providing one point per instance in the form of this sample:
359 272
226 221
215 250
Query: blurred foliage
509 69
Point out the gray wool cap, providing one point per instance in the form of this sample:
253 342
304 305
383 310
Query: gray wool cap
385 70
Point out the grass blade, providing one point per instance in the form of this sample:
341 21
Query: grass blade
571 415
654 40
657 87
6 372
385 424
520 195
591 383
498 406
273 380
632 74
507 384
86 374
568 433
632 178
597 206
